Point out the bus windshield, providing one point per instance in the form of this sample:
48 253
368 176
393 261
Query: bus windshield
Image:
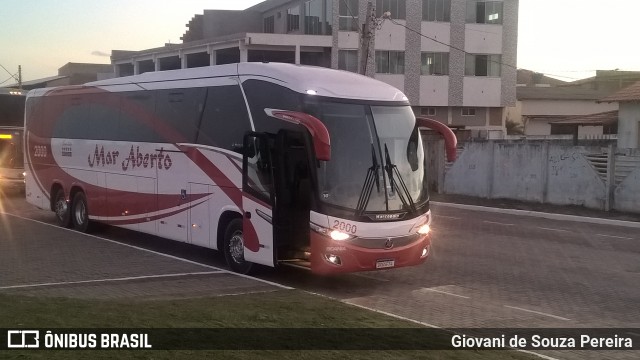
375 145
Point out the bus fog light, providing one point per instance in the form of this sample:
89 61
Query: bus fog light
339 235
425 251
334 259
424 229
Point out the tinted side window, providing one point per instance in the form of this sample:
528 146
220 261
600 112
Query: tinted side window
104 111
181 110
136 120
225 119
72 122
265 95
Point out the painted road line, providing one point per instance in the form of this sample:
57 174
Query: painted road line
538 312
615 237
447 217
155 252
109 280
539 214
446 293
551 229
497 223
349 302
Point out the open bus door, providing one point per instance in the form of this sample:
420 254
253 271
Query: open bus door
275 197
258 199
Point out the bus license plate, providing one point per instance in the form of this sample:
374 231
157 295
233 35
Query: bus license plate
382 264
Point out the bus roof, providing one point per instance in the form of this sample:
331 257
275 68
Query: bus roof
299 78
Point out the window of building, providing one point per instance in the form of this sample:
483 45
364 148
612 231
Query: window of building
293 19
390 62
483 65
436 10
428 111
348 60
314 17
435 63
468 111
397 8
269 25
484 12
348 15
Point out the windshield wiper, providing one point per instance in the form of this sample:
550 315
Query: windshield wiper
372 177
401 190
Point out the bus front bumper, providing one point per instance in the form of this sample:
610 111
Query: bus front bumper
334 257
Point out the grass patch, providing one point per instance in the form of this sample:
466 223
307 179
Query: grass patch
279 309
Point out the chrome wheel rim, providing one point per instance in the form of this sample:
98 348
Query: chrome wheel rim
236 247
80 213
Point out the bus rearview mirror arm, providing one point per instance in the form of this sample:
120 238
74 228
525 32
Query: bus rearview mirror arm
319 132
450 140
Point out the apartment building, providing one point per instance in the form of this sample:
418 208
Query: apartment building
454 59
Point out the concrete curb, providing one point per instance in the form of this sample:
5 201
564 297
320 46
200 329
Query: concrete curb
552 216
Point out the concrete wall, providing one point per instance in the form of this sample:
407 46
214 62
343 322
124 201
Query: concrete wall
565 107
518 171
537 172
572 180
627 195
537 127
629 126
226 22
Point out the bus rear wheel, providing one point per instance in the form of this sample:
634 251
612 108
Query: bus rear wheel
233 248
80 212
61 209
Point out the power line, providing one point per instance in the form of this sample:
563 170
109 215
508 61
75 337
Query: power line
449 45
13 77
468 53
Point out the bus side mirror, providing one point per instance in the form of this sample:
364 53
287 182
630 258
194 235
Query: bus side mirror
319 132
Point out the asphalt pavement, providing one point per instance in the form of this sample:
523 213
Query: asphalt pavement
488 269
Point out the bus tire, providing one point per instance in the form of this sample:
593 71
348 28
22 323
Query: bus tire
80 212
233 248
61 209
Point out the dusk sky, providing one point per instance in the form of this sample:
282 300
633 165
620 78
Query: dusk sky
569 38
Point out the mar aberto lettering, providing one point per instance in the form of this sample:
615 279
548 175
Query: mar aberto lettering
135 159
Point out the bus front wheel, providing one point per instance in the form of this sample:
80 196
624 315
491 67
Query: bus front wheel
233 248
79 212
61 209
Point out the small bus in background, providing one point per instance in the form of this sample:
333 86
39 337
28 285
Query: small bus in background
272 164
12 103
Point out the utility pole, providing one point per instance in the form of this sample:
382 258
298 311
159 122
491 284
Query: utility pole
19 77
368 35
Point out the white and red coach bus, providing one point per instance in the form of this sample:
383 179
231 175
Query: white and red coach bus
269 163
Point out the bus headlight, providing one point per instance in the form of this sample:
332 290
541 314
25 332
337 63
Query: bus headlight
339 235
336 235
424 229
